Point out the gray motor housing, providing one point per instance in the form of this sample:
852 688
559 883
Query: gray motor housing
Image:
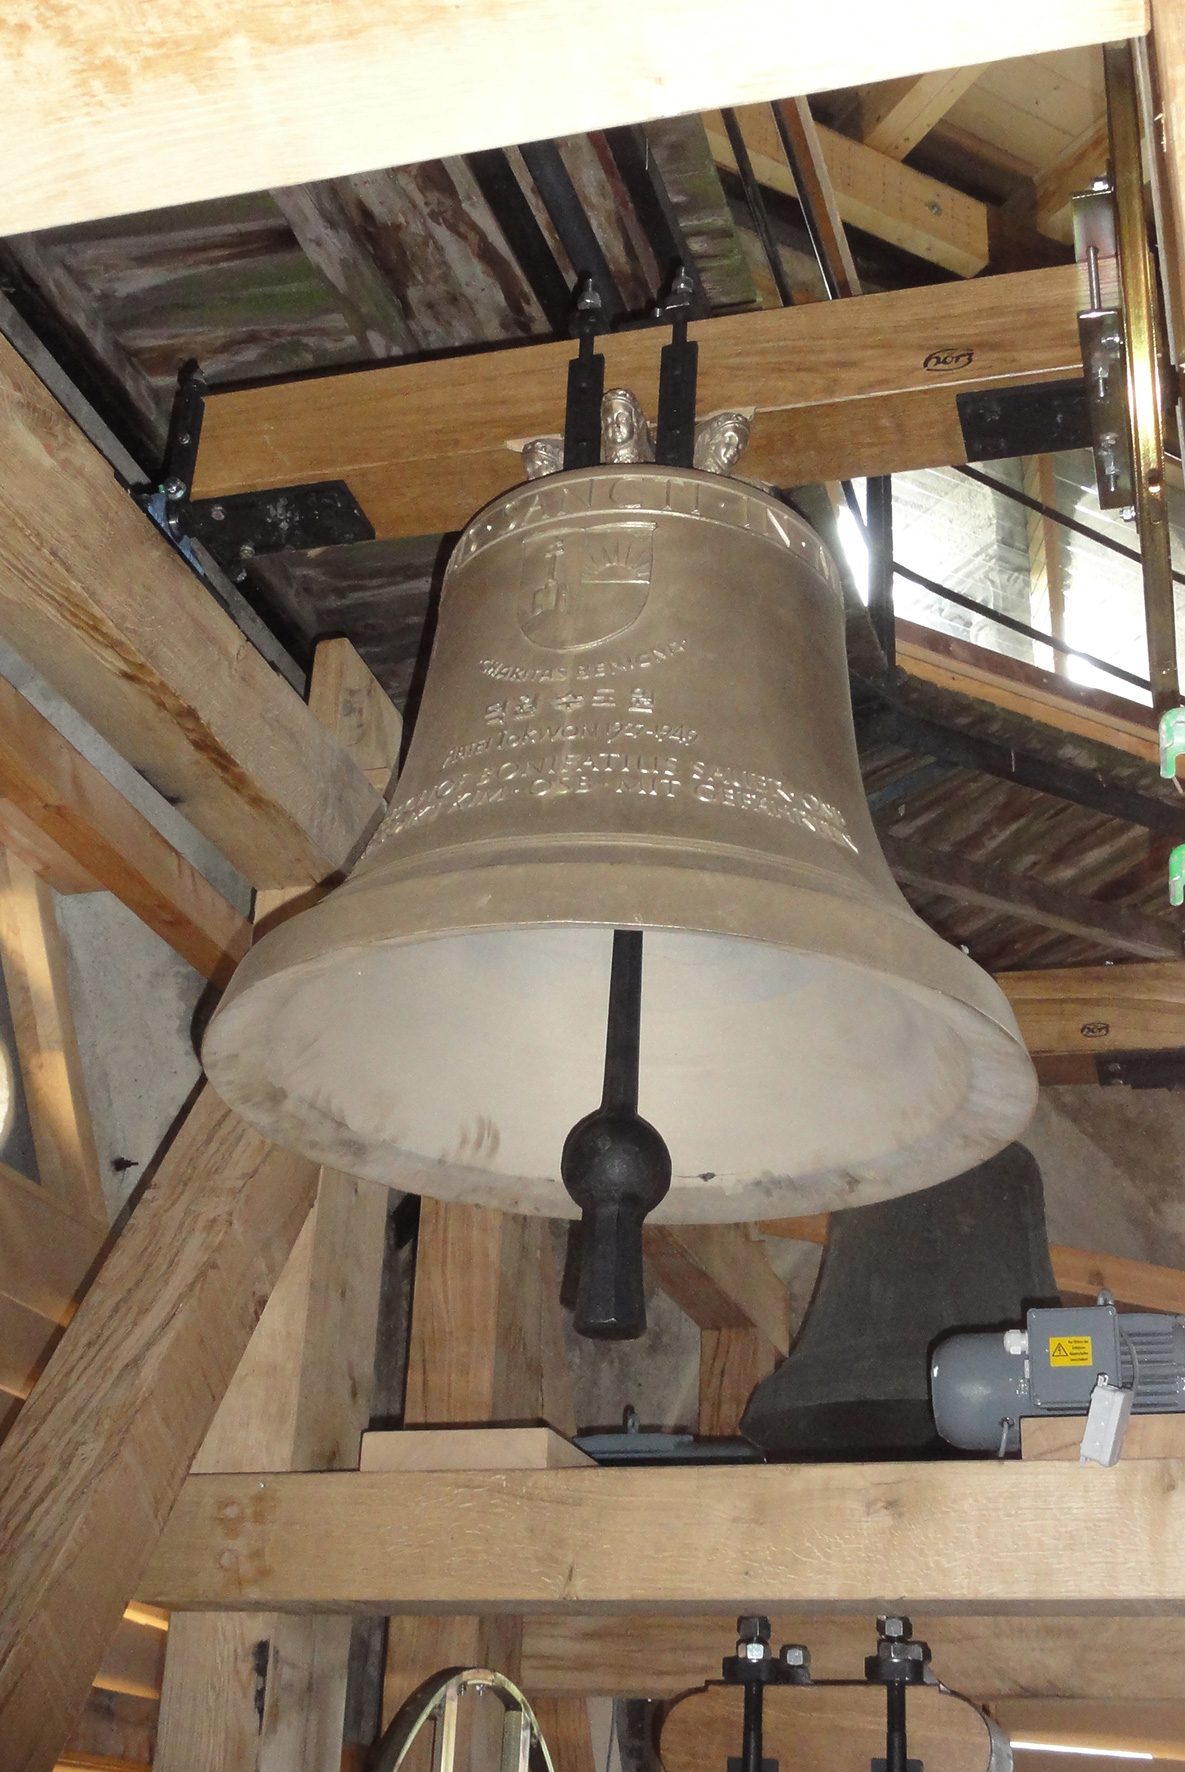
983 1384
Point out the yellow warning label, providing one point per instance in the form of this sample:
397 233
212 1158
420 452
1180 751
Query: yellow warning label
1071 1350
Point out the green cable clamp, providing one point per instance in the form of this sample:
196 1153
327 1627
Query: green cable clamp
1172 740
1177 875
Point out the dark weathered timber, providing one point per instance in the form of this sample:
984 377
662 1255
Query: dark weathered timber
326 233
1116 926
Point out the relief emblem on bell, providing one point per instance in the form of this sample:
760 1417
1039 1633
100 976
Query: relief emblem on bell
581 587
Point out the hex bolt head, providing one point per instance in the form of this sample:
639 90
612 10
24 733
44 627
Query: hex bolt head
794 1655
175 488
755 1629
748 1650
894 1627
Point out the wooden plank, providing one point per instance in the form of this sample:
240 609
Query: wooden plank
873 191
1025 896
24 839
652 1655
963 1537
280 95
1168 40
36 978
133 1661
46 1252
1140 1283
1060 1437
832 384
497 1328
84 578
810 1228
564 1723
720 1276
90 1468
1081 160
469 1448
1022 688
732 1362
26 1338
898 114
1093 1009
349 701
65 799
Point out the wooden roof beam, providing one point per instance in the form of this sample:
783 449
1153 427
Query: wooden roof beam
247 98
897 115
838 389
1032 899
874 192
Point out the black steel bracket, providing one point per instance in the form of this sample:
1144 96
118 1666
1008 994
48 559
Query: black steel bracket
1000 423
234 529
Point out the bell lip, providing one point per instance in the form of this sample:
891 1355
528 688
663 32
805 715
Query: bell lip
998 1104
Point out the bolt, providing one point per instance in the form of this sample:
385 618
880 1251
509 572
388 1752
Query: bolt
795 1655
894 1627
246 552
175 487
749 1651
217 513
754 1629
934 206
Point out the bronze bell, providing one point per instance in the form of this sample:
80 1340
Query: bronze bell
636 717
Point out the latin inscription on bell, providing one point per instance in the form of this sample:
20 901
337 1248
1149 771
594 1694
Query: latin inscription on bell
597 706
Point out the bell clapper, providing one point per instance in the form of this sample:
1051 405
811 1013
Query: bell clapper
616 1167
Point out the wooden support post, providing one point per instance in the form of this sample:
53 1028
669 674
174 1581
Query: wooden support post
33 954
732 1363
268 1695
720 1276
1047 592
486 1346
